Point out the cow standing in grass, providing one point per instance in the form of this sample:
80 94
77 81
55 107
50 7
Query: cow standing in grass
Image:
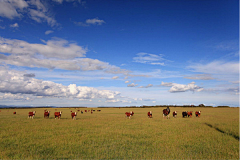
166 112
31 114
74 114
46 114
189 114
149 114
174 114
58 114
198 113
129 114
184 114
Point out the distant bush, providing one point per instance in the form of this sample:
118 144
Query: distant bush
223 106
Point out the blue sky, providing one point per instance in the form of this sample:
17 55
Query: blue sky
119 53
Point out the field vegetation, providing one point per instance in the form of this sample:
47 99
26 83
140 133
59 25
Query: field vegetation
110 135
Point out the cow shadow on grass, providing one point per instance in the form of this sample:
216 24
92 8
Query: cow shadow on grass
222 131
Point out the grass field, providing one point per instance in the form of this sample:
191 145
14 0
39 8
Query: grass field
109 135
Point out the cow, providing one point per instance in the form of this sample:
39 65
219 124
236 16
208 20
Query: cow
85 110
198 113
99 110
31 114
46 114
82 112
58 114
149 114
166 112
14 112
74 114
184 114
174 114
189 114
129 114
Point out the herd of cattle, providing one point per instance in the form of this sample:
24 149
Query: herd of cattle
166 113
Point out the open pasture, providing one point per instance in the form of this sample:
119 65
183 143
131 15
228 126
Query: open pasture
110 135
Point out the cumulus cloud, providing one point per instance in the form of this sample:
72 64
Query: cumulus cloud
15 25
147 58
35 9
216 67
54 53
132 85
12 9
167 84
127 81
181 87
200 77
14 82
21 97
55 48
48 32
115 77
95 21
88 22
149 85
29 75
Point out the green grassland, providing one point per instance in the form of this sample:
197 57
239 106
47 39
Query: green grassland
110 135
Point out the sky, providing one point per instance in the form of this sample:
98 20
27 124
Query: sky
119 53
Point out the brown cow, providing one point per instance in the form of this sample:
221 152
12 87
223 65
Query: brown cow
74 114
31 114
166 113
58 114
149 114
14 112
189 114
174 114
129 114
46 114
198 113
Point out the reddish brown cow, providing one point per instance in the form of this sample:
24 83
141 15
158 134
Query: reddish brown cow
129 114
46 114
14 112
31 114
149 114
198 113
189 114
74 114
58 114
174 114
166 113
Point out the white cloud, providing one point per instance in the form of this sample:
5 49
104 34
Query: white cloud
183 88
167 84
12 8
115 77
127 81
15 25
21 97
48 32
41 16
216 67
14 82
35 9
149 85
147 58
88 22
55 48
200 77
95 21
132 85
